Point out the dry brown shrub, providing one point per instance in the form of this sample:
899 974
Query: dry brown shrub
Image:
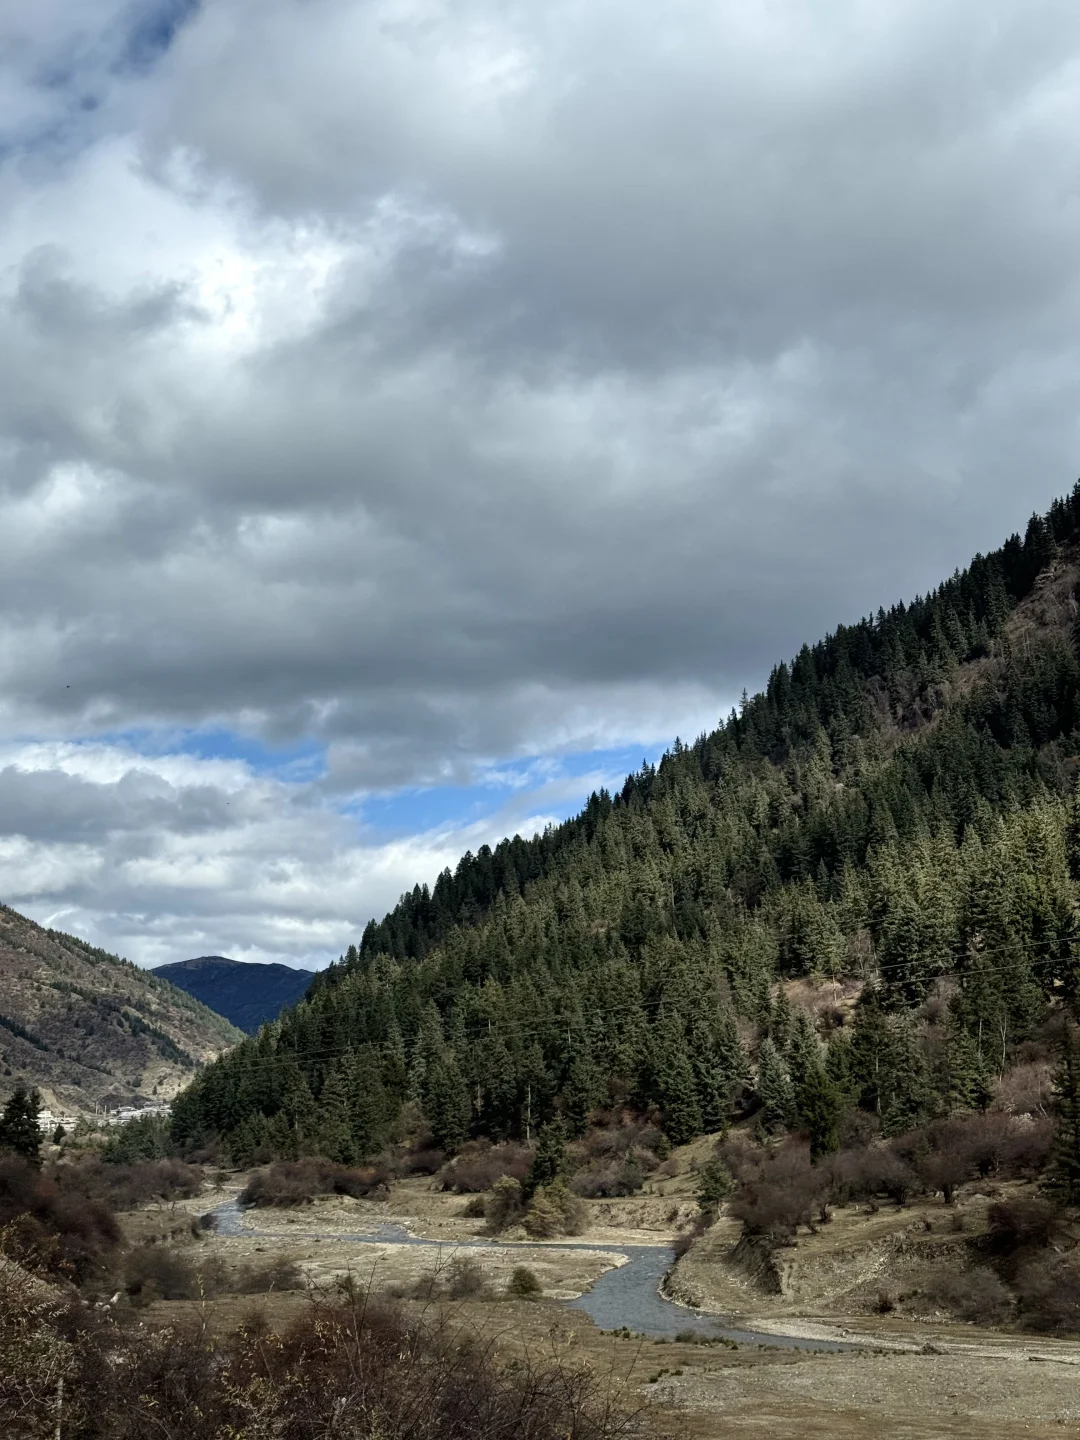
298 1182
427 1160
1048 1295
50 1230
480 1165
778 1193
869 1175
1025 1222
976 1295
125 1187
618 1139
1027 1089
607 1179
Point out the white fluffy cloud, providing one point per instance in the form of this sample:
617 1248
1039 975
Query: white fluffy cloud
438 384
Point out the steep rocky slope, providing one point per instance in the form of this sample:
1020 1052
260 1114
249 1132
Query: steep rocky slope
89 1028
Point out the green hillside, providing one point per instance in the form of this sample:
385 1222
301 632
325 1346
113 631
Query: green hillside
889 823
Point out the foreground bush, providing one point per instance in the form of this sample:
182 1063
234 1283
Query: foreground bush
297 1182
51 1231
346 1371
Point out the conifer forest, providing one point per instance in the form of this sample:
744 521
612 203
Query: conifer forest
893 820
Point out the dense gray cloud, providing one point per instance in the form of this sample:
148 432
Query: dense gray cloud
446 383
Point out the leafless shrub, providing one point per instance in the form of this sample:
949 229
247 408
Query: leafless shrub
479 1166
1026 1089
780 1193
126 1187
605 1179
155 1273
275 1275
428 1160
50 1230
868 1174
465 1278
1048 1295
297 1182
1024 1223
977 1295
944 1170
619 1138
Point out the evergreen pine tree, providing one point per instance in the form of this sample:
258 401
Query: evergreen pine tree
966 1071
804 1047
774 1088
819 1104
549 1158
20 1129
673 1085
582 1090
446 1104
333 1134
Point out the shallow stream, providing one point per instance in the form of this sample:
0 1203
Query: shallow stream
625 1296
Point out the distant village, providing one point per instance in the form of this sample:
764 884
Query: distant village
119 1115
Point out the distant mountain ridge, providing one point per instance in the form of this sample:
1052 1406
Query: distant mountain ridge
89 1028
248 995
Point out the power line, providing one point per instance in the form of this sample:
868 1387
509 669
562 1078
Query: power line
558 1023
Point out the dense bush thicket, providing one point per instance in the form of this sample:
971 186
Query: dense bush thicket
893 812
1025 1270
780 1187
298 1182
354 1372
126 1187
50 1229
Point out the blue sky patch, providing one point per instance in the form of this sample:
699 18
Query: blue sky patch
551 785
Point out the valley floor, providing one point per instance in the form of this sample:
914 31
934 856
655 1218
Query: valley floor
916 1376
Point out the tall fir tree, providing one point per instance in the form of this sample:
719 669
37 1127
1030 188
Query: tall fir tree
774 1088
20 1128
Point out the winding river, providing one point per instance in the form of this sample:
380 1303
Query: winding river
626 1296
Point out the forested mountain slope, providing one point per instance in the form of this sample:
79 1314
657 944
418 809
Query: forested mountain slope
245 992
86 1027
892 815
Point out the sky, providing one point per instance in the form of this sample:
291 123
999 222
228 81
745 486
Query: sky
414 415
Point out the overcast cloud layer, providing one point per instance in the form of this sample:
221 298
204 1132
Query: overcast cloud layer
398 395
